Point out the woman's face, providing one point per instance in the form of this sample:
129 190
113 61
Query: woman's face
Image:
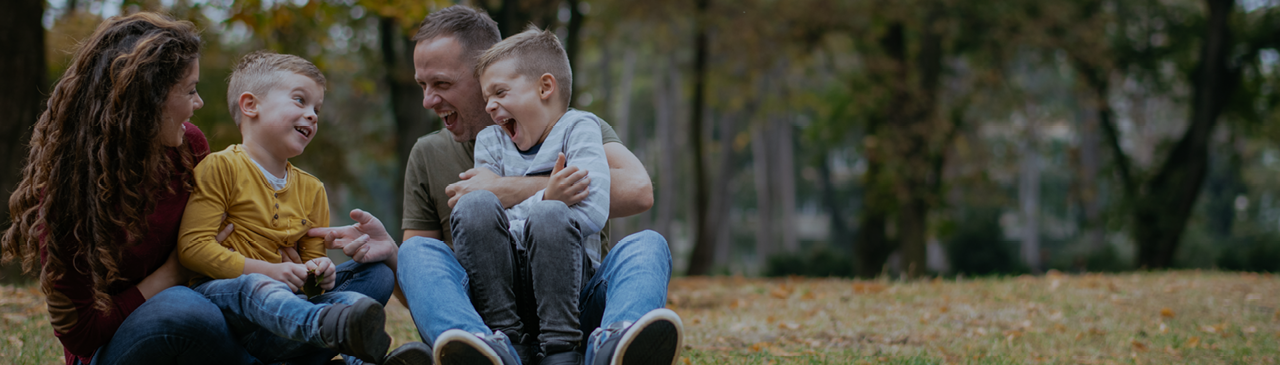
178 108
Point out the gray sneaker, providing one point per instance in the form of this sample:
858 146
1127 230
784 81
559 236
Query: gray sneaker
460 347
654 339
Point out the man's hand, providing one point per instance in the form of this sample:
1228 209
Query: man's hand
324 267
291 274
568 185
365 241
472 180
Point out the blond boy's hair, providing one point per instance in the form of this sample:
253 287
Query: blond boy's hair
536 52
258 71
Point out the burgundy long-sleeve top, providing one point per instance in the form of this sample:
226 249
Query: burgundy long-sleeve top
83 329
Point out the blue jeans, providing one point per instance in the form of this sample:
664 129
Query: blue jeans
631 281
176 326
276 325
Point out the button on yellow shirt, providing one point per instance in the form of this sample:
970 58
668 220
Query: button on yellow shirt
266 219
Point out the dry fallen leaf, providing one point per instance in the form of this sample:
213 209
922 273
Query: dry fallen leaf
867 288
775 351
1166 312
781 292
1138 345
1193 341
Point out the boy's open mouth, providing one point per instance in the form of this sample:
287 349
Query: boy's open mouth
305 131
509 125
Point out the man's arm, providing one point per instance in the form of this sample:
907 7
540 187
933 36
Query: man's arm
511 190
630 190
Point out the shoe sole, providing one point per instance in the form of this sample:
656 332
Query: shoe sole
366 331
460 347
409 354
658 340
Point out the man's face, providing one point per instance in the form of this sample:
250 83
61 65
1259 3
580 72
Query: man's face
449 86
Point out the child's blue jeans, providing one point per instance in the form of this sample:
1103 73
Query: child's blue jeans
182 326
275 324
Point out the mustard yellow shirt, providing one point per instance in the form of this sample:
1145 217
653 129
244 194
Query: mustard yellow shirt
229 182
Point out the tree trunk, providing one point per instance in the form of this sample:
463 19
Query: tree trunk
722 195
22 38
783 170
665 131
764 197
510 16
411 120
573 31
701 258
1160 215
831 200
1029 196
1087 188
914 108
873 245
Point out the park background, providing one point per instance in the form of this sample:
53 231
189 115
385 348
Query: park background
814 137
888 140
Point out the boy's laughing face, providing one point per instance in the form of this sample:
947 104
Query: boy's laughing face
288 116
517 103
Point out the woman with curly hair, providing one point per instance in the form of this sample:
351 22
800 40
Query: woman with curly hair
102 196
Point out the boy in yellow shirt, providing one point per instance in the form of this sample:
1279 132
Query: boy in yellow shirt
275 100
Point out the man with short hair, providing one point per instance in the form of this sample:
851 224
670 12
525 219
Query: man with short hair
616 303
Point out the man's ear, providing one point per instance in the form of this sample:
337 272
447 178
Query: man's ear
248 105
546 86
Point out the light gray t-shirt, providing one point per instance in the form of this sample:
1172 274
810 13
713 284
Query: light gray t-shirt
577 135
435 162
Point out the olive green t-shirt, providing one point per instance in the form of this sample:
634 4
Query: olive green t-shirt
435 162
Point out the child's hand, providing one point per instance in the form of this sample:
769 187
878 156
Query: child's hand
291 274
568 185
323 267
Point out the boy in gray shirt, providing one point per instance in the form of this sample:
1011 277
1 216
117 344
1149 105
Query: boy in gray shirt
525 81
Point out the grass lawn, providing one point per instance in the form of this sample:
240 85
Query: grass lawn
1156 318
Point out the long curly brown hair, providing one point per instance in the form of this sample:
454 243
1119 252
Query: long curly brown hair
97 162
